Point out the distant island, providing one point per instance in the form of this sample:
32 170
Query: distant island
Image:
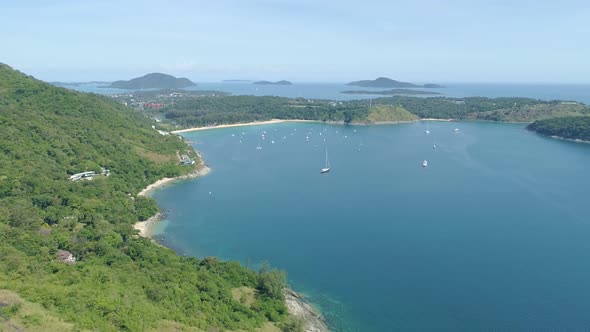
152 81
237 81
384 82
567 127
392 92
283 82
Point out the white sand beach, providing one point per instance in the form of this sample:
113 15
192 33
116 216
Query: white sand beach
256 123
145 228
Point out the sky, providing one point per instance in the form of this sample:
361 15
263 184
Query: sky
519 41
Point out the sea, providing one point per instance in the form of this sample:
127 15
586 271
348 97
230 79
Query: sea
568 92
493 235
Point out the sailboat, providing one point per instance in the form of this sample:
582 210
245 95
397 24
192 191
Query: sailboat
327 168
425 163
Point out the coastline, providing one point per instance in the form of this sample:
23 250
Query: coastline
200 171
145 228
242 124
434 119
298 307
575 140
274 121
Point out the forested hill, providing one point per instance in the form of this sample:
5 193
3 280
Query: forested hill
189 111
571 127
153 81
119 281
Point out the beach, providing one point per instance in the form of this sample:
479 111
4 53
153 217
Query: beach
274 121
200 171
145 228
255 123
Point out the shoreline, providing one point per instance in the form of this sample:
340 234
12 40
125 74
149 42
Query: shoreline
201 170
241 124
435 119
298 307
575 140
145 228
275 121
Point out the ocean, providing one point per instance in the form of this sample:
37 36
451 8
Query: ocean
492 235
571 92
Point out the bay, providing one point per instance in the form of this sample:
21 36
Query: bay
492 235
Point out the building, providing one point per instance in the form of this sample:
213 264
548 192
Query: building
65 256
84 175
185 160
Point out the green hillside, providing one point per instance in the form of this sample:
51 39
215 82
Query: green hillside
153 81
388 113
188 111
120 281
570 127
531 112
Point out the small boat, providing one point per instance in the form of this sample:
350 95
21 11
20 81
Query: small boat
427 131
327 168
259 147
456 129
307 138
434 146
425 163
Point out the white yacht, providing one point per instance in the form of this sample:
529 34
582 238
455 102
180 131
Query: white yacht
327 168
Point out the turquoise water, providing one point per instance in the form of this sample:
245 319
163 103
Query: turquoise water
494 234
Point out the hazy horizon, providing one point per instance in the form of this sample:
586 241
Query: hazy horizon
301 41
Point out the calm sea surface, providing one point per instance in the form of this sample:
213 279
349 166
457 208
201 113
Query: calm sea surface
494 234
579 93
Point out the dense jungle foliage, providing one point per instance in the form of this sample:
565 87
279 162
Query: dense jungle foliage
120 281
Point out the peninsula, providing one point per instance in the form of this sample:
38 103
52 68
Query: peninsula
152 81
184 111
384 82
567 127
283 82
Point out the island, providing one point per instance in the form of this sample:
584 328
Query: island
567 127
152 81
283 82
384 82
392 92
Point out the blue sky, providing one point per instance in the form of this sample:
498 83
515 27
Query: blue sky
300 40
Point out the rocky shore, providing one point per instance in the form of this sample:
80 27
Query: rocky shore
297 307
